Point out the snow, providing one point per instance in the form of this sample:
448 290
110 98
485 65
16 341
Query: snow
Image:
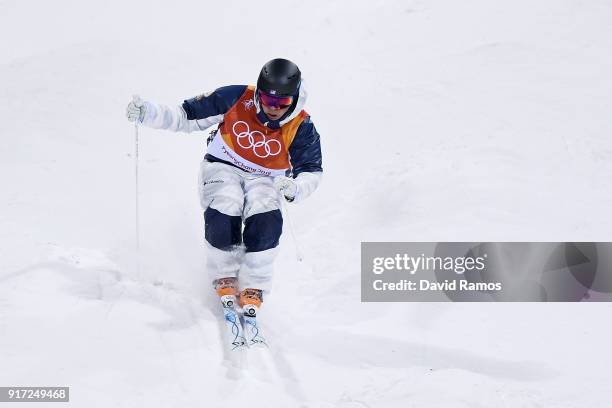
440 121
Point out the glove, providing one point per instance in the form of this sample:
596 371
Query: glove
286 186
135 110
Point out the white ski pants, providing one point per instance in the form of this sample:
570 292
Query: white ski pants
243 224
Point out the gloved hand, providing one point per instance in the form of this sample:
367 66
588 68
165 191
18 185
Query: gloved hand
135 110
286 186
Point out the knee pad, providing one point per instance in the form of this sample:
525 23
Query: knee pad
222 231
262 231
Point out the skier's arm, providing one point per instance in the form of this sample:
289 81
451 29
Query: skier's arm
194 114
158 116
306 160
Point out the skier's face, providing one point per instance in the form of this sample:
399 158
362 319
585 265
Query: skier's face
274 113
274 106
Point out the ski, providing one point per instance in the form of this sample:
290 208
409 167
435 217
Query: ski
234 332
241 329
253 333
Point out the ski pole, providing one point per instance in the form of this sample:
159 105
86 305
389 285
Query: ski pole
298 251
137 197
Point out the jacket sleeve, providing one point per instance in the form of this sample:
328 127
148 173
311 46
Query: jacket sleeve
306 159
194 114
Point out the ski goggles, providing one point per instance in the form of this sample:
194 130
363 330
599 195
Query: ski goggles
272 101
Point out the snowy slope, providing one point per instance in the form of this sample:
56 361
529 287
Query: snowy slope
441 120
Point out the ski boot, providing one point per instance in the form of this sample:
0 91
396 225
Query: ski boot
250 301
227 289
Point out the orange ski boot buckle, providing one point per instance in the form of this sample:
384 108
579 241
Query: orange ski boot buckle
226 286
251 297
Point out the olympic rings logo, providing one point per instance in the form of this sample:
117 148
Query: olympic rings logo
256 140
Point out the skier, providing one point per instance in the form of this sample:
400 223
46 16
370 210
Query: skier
265 149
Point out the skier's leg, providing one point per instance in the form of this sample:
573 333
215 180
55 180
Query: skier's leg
222 199
263 224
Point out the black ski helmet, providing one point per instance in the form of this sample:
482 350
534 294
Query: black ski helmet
279 77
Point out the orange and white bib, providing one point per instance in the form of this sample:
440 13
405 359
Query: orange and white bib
248 144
